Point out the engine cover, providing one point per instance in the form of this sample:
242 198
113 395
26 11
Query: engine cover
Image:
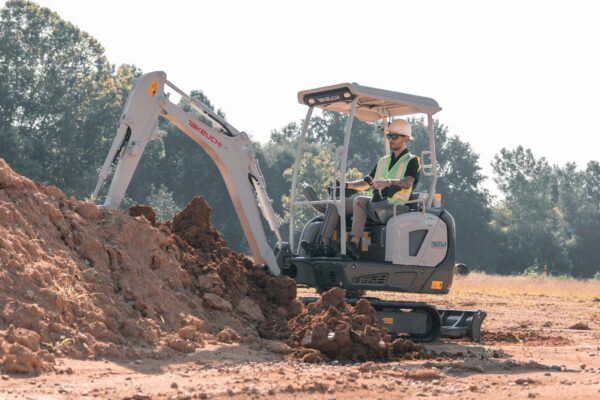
416 239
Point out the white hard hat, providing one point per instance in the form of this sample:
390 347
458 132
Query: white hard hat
400 127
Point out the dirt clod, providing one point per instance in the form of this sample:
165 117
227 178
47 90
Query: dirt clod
344 332
581 326
147 212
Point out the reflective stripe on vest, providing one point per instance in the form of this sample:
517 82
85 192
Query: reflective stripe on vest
382 172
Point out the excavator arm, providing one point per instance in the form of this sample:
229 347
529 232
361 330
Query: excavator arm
231 151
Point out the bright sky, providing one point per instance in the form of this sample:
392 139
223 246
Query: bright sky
506 73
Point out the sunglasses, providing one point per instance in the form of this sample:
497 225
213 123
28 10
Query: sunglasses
394 136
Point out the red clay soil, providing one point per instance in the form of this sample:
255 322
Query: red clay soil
331 328
531 337
83 282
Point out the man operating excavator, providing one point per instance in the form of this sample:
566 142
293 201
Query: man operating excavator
410 247
392 180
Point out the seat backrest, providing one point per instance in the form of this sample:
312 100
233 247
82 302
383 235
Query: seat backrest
414 196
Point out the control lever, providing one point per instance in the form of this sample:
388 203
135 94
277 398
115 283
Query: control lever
376 192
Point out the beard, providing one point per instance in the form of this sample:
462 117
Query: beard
397 146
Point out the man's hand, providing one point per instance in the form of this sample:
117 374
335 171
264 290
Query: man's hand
380 184
404 183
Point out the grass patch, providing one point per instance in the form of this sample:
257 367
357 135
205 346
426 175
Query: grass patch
68 293
538 285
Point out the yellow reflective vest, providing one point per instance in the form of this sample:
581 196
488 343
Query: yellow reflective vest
382 172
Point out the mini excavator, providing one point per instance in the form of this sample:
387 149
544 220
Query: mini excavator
412 251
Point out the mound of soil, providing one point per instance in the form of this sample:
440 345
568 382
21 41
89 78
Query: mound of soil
331 328
80 281
84 282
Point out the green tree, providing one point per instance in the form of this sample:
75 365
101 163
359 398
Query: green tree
59 97
579 200
529 220
163 203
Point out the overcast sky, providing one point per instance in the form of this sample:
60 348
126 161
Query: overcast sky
506 73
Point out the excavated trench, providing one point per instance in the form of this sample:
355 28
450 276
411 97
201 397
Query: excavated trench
82 282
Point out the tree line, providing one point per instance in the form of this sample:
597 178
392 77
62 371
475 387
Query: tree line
61 98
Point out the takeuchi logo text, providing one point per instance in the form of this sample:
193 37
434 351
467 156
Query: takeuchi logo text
207 135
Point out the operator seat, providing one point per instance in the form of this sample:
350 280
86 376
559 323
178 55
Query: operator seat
384 211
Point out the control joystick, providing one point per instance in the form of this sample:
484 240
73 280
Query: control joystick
376 192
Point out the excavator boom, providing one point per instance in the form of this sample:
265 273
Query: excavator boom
231 151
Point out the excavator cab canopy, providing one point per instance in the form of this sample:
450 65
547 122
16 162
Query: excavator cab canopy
371 104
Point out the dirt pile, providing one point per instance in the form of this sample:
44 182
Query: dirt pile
79 281
331 328
84 282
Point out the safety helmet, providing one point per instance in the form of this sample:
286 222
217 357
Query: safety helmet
400 127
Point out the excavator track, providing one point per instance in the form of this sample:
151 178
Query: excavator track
422 322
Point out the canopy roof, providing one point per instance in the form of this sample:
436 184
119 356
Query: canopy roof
372 104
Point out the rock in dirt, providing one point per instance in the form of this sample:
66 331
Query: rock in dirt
189 332
21 360
310 356
147 212
181 345
27 338
227 335
281 291
217 302
251 309
88 210
277 346
212 283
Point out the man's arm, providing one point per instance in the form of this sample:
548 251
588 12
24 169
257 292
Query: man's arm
411 175
403 183
358 185
361 184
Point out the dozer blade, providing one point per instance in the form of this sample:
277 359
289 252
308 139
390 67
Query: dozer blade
459 324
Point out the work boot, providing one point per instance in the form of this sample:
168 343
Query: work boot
352 250
312 249
331 251
308 248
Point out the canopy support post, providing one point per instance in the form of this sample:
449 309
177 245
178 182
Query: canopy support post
431 193
299 151
341 204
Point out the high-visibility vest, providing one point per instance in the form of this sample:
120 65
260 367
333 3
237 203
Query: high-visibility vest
382 172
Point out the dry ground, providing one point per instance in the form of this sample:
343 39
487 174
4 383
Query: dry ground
541 340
